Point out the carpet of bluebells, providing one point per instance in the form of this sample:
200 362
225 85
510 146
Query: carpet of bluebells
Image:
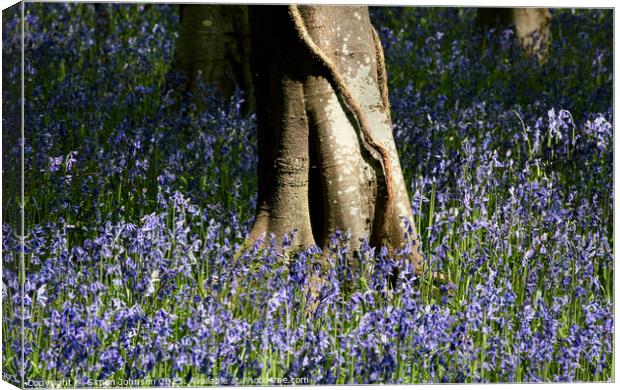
137 204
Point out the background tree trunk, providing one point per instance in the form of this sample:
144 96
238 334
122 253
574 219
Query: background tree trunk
102 20
318 172
214 42
531 26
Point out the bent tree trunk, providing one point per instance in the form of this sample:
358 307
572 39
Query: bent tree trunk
532 26
327 157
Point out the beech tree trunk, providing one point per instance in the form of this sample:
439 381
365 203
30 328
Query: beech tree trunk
214 44
318 171
532 26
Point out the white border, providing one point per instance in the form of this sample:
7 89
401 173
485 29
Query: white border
460 3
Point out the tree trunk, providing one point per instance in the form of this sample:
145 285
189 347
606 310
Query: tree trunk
214 44
531 26
102 20
327 157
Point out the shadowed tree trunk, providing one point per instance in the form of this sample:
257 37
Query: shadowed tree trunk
214 42
327 157
102 20
531 26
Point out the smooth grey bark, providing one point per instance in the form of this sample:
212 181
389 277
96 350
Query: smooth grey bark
532 26
214 44
318 172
